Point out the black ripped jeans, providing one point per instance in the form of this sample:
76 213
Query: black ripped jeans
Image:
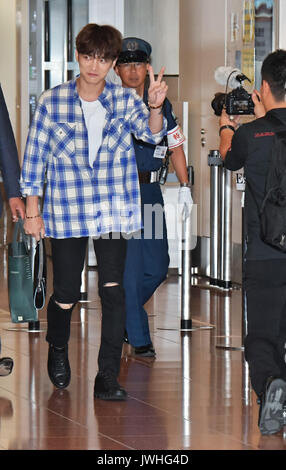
68 257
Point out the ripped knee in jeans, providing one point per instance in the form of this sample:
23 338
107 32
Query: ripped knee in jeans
64 306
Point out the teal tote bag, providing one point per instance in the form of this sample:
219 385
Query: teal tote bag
20 277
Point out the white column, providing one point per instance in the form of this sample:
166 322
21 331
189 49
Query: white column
107 12
8 56
282 20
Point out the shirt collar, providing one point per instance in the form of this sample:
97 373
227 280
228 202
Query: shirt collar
105 97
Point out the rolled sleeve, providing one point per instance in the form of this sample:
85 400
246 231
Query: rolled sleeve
157 138
36 153
140 121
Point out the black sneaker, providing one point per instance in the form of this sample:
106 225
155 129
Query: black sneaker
58 366
6 366
106 387
272 401
145 351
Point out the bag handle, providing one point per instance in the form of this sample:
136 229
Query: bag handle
40 287
19 230
41 259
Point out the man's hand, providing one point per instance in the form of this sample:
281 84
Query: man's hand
226 134
17 208
157 91
226 120
259 109
35 227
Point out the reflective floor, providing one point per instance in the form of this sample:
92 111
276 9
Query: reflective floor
194 395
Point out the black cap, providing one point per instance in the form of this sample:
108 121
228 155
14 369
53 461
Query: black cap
134 50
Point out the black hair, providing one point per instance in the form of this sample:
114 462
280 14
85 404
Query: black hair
273 71
100 40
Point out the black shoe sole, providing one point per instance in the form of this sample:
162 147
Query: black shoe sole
55 382
59 385
143 351
145 354
110 397
271 419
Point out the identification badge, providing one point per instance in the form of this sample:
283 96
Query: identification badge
160 151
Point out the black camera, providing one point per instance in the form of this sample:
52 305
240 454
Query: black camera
237 102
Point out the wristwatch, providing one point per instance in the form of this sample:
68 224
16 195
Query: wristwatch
226 127
185 185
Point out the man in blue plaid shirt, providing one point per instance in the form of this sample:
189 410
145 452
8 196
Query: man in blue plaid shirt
80 146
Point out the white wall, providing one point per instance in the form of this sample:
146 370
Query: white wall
202 50
156 21
107 12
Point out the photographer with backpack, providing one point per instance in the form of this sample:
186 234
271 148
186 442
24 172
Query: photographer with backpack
260 147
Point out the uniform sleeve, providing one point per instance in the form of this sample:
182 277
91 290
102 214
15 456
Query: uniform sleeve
36 153
9 161
139 120
175 135
236 156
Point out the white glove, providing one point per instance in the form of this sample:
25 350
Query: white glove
185 201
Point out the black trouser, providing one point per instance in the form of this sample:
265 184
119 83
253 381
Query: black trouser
68 257
265 284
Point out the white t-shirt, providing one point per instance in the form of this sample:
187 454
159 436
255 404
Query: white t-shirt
94 115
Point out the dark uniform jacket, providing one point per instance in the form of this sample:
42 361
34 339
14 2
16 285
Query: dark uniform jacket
9 162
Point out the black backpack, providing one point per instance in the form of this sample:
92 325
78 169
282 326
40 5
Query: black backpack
272 213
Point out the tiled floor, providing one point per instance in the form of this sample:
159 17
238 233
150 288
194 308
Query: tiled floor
195 395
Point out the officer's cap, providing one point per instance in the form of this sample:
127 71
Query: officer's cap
134 50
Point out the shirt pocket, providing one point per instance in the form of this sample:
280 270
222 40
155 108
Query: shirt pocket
118 135
62 141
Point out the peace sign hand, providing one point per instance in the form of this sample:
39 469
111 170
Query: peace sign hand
157 90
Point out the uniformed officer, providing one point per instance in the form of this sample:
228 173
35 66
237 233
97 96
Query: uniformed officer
147 258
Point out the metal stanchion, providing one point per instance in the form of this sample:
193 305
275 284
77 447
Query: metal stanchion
186 320
228 342
220 222
34 326
186 284
240 186
225 229
186 359
186 273
214 162
246 385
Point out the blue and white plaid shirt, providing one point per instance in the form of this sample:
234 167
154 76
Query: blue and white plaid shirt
80 200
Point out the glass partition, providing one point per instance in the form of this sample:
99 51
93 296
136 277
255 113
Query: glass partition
265 14
53 27
251 35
